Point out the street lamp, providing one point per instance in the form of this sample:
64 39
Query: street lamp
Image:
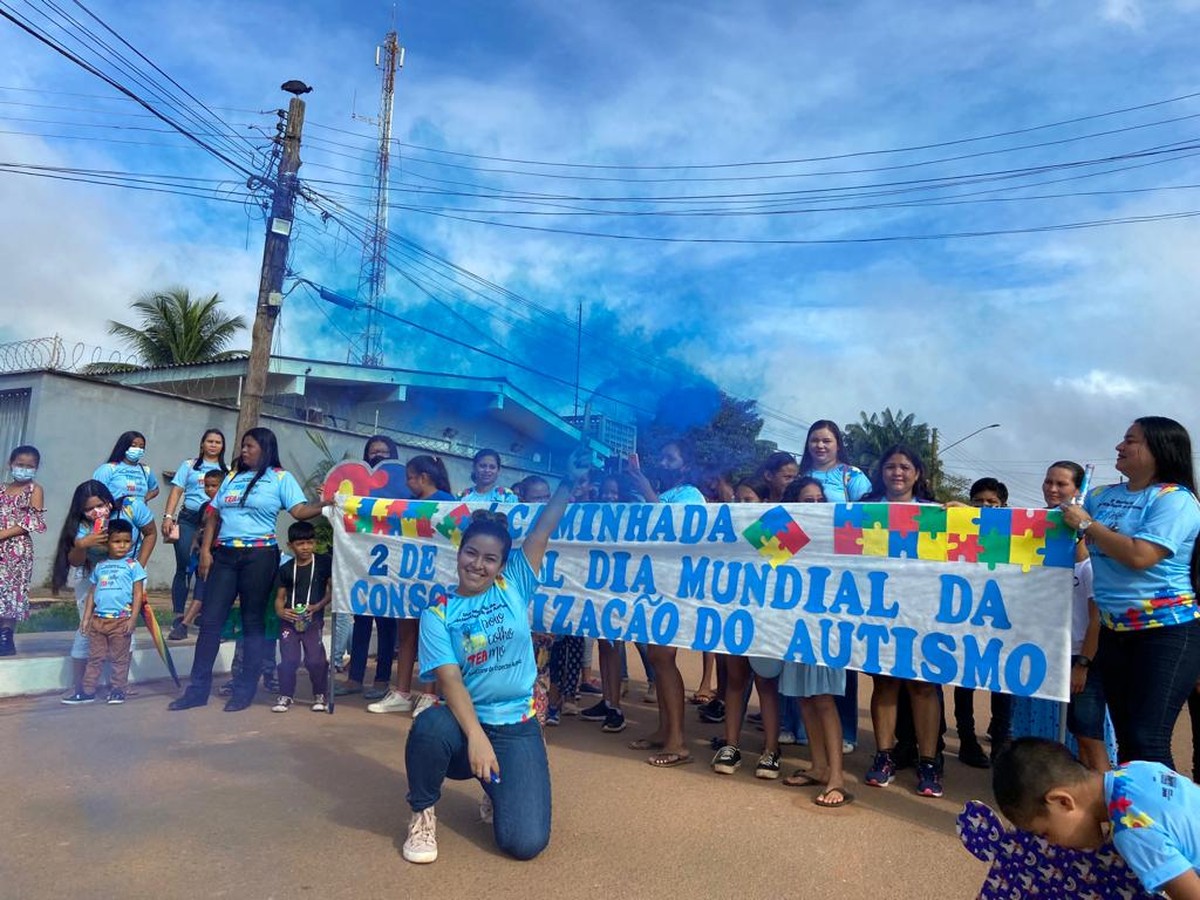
971 435
937 453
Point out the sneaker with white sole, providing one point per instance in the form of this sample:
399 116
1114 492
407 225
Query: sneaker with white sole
393 701
768 766
424 702
727 760
421 844
115 697
614 722
319 704
486 810
283 704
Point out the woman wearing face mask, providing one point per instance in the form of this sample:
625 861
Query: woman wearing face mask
486 672
83 542
182 518
485 475
125 475
239 558
379 448
21 514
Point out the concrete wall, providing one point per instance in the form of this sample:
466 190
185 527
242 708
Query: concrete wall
74 422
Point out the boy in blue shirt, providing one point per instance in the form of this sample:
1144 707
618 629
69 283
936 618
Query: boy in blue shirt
1154 812
110 613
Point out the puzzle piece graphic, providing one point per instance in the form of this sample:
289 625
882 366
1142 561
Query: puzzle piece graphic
875 515
962 520
902 545
793 538
995 548
995 520
1024 865
932 519
1025 551
875 541
933 546
848 514
1030 521
775 552
847 539
963 548
1059 551
902 518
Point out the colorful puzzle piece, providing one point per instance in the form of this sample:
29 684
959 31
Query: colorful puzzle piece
847 539
776 535
1030 521
1025 551
902 518
932 519
962 520
875 541
933 546
995 520
963 548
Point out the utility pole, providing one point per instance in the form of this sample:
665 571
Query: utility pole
935 467
274 263
579 356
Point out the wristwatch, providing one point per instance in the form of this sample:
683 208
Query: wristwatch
1080 660
1084 526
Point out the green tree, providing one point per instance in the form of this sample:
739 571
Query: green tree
867 438
177 329
722 429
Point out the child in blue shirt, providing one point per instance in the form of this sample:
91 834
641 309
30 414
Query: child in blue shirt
1154 813
118 589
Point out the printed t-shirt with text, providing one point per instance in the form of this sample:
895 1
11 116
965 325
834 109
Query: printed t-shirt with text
1155 814
487 636
126 479
113 581
252 524
1163 514
134 511
191 482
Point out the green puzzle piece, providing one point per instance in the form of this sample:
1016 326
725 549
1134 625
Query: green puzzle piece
932 520
995 549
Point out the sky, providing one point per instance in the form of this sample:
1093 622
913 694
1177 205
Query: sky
831 208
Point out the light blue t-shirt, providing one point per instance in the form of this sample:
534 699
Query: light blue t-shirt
133 511
113 581
253 524
681 493
1155 814
487 636
1163 514
497 494
191 482
842 483
126 479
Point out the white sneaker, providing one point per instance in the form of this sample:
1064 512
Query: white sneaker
424 702
421 844
283 704
485 810
393 701
319 704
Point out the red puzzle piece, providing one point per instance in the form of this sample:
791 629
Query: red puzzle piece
1033 521
847 540
902 519
964 548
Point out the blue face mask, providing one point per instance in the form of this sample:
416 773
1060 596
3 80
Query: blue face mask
22 473
133 454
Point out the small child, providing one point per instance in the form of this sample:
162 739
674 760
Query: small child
21 516
1154 812
109 614
212 484
304 592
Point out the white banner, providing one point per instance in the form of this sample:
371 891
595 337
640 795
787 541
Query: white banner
977 597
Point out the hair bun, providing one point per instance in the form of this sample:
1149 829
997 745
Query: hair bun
486 515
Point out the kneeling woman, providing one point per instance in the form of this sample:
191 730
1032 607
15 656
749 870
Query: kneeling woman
476 642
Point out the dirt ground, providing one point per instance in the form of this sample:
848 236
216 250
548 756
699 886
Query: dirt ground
134 801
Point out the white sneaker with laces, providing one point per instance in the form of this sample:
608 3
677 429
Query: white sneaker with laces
421 844
283 704
318 704
393 701
424 702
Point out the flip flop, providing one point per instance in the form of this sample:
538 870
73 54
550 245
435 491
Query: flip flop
645 744
801 779
670 760
699 698
845 798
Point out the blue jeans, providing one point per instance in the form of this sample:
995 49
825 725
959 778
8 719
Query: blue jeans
437 750
1148 676
188 523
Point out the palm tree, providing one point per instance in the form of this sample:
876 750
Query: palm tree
177 329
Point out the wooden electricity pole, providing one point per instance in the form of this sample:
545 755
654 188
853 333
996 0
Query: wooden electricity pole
274 264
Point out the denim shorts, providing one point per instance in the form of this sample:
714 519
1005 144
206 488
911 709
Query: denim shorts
1085 714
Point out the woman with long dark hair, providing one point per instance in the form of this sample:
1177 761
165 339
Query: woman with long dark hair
239 558
485 480
124 474
1141 535
902 478
181 521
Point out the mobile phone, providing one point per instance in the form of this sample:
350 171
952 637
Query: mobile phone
634 462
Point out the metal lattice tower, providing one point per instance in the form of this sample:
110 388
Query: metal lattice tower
372 278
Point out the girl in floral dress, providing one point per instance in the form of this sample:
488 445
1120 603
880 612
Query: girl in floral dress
21 514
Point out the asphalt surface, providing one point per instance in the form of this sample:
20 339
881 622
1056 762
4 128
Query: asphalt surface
134 801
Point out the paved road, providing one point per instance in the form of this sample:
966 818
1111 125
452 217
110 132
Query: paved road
132 801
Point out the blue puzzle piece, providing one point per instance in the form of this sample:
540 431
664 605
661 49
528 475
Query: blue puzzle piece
1059 551
903 545
849 514
995 520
